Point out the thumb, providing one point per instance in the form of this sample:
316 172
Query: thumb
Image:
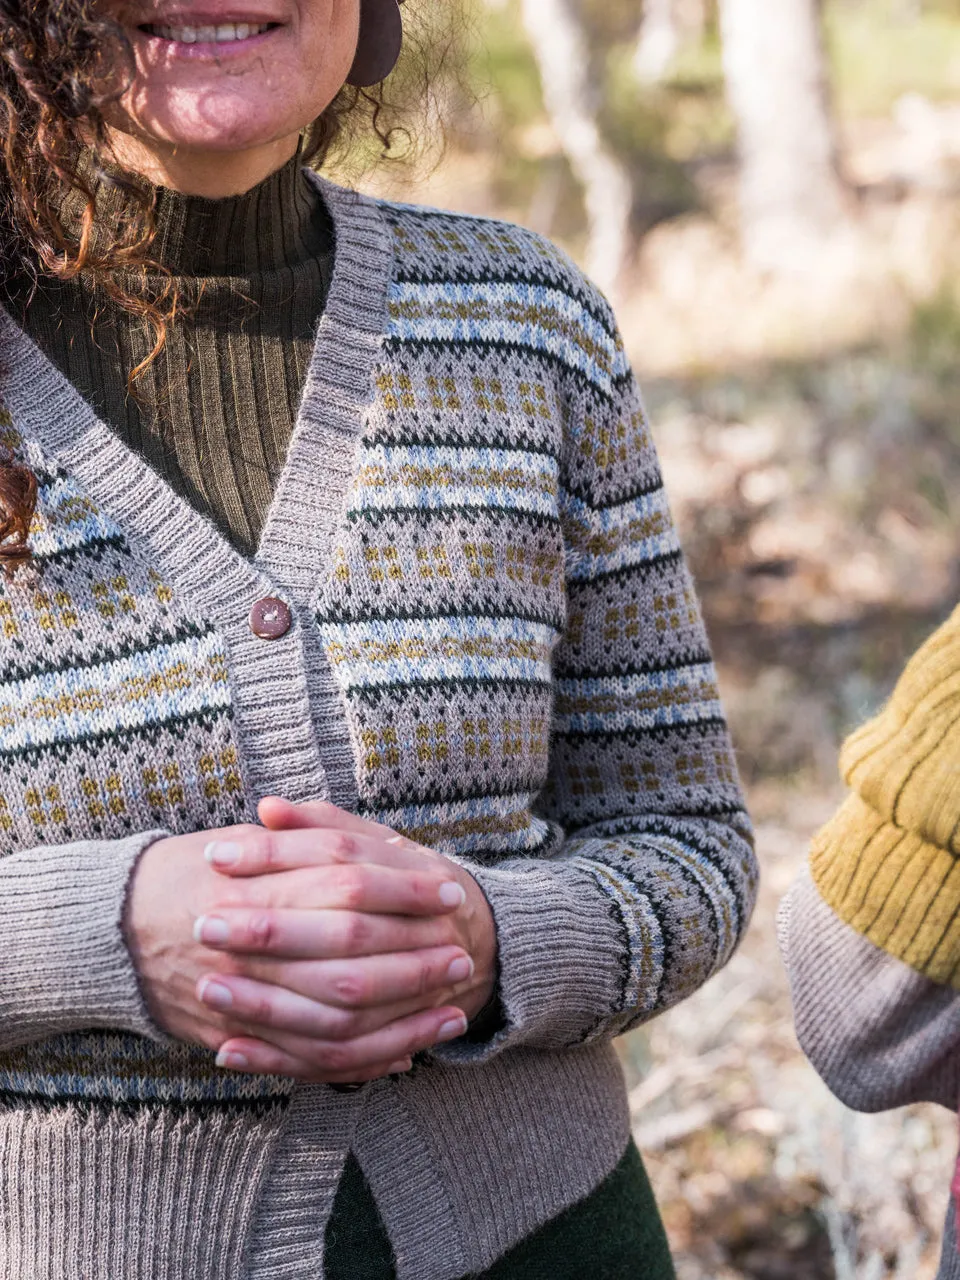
282 815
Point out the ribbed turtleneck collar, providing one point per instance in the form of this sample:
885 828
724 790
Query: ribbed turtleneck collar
280 222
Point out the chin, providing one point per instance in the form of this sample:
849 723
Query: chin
211 122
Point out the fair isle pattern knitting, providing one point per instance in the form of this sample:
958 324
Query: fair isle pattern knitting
115 718
509 582
497 649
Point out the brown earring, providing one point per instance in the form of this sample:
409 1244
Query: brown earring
381 37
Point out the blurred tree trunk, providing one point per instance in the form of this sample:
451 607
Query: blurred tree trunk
791 191
666 26
659 40
571 95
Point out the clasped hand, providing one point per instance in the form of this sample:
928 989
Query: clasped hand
318 946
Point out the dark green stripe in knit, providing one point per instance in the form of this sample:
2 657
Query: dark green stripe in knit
683 662
711 853
468 609
62 748
644 490
693 729
463 795
101 657
453 274
449 511
94 549
510 443
455 347
641 569
101 1108
468 684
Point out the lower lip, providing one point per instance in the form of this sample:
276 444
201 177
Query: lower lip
210 50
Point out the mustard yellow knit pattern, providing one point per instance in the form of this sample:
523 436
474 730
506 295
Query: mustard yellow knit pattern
887 863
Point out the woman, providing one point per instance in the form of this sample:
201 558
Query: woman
417 576
871 934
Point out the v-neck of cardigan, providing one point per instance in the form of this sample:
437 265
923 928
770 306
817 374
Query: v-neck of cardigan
286 700
293 553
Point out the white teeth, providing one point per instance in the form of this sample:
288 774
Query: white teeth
224 33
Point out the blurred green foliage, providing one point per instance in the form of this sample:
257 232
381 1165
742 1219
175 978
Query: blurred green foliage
882 49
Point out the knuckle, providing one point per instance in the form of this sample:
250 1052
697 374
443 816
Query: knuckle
261 1011
262 930
269 850
342 846
424 977
351 886
353 989
356 931
333 1058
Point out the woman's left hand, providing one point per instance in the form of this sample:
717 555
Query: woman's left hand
470 926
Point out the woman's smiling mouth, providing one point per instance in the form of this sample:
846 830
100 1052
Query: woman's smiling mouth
222 33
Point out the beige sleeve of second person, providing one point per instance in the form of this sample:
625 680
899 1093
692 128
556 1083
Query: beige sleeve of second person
880 1034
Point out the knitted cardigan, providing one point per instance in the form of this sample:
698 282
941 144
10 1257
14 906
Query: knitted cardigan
871 933
496 648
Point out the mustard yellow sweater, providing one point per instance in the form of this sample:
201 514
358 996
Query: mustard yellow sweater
887 863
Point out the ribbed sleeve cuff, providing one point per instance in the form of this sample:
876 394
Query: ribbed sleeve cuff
64 964
561 957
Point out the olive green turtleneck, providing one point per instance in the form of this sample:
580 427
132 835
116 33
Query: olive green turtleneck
215 412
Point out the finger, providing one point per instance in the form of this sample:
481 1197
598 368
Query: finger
305 1071
317 934
254 851
368 982
282 815
346 1060
428 890
275 1013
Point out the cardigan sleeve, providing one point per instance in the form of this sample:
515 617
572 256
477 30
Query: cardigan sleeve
870 933
879 1033
653 877
64 964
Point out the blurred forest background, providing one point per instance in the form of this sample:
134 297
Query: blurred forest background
769 191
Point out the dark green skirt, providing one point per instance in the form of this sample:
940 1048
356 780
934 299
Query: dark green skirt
615 1234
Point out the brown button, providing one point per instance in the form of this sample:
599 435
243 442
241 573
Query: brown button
270 619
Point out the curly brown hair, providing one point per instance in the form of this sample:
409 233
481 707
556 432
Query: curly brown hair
62 65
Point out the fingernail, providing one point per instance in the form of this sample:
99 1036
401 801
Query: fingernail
232 1061
211 930
223 853
400 1068
453 1029
461 969
215 993
452 894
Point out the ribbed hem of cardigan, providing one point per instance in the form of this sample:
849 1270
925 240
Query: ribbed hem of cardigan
547 1005
894 887
103 1193
64 964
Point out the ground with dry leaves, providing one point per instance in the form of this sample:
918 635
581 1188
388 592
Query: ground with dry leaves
761 1173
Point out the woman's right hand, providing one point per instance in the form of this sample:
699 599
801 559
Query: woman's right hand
366 1014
